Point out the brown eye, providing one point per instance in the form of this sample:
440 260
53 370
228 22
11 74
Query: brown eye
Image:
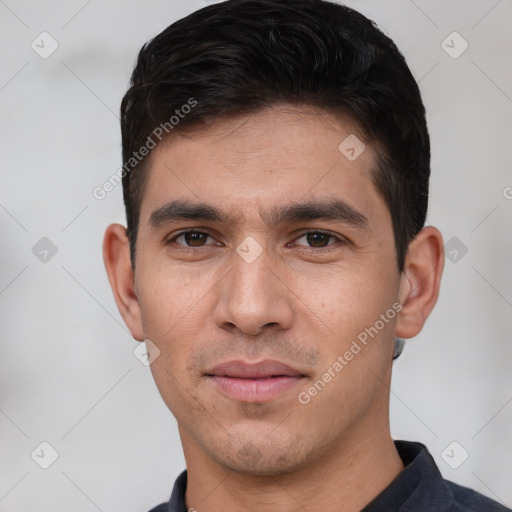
317 239
195 239
192 239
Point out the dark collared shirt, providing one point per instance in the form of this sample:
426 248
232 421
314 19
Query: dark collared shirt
418 488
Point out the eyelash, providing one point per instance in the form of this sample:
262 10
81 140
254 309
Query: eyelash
337 238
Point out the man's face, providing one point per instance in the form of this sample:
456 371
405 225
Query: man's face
291 261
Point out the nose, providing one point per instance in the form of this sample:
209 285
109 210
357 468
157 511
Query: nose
253 297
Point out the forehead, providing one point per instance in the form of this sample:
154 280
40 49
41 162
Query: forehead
263 160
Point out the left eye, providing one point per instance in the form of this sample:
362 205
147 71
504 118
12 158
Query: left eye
316 239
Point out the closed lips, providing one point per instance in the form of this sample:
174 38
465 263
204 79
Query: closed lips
261 370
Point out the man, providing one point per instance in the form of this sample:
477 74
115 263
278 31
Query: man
276 175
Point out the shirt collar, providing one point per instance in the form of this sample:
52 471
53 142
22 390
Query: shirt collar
419 486
177 501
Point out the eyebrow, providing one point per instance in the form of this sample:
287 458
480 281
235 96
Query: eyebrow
184 210
333 209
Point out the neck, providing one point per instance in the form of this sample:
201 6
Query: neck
346 477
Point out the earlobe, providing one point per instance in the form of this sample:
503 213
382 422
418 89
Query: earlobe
420 281
116 256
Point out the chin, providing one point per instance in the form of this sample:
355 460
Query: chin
264 457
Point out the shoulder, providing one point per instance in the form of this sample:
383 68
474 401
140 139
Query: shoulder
468 500
163 507
177 501
422 487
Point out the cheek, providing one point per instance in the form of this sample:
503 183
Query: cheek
348 299
172 318
169 299
348 318
179 397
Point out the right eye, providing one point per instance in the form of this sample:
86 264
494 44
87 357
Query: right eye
192 239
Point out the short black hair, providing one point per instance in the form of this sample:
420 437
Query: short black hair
240 56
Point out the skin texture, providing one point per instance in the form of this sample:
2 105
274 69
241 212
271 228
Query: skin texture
298 304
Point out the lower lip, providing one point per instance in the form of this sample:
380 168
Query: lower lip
254 390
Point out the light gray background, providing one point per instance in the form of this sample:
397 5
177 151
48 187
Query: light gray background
68 374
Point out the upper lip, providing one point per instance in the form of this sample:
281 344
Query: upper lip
243 370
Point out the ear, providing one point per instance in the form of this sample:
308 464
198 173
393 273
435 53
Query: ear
420 281
116 256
